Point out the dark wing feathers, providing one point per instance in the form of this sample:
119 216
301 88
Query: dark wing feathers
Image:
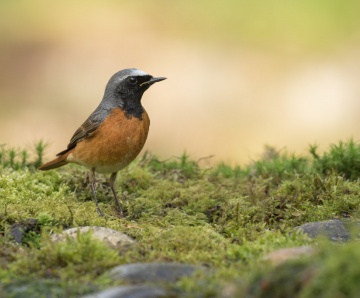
82 132
87 129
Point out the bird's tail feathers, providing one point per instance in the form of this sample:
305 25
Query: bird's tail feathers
56 163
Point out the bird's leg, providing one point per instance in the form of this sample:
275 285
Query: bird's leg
112 181
92 184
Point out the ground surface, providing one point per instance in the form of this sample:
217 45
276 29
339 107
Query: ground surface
219 217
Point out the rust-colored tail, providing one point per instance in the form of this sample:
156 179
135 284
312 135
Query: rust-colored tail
56 163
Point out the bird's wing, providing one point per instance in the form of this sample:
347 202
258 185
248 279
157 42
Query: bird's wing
87 129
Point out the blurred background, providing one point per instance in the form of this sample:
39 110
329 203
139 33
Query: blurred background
241 74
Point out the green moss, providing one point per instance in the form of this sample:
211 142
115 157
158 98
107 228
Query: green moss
226 171
278 166
201 246
337 273
30 287
21 159
180 168
82 259
225 218
344 158
332 272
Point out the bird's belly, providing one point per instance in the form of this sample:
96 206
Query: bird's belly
114 145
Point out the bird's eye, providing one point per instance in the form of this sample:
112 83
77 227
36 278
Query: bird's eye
132 80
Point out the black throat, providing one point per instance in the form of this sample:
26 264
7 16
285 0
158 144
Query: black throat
132 106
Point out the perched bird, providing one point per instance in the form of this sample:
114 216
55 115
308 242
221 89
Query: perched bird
114 133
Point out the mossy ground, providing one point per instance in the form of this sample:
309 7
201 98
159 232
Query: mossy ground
226 218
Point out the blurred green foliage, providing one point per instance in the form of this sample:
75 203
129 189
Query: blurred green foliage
273 24
331 273
342 158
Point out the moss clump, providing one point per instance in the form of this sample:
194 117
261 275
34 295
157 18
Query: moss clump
43 269
180 168
20 159
337 272
278 167
82 258
194 245
332 272
343 158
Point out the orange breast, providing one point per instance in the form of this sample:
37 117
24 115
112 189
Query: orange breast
115 143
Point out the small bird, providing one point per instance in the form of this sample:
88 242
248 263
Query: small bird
114 134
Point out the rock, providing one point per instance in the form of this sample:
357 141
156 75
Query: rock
130 292
282 255
17 230
112 238
152 272
335 230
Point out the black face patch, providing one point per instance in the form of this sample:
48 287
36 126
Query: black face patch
131 92
137 82
132 81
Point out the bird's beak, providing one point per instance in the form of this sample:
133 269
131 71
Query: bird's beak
153 80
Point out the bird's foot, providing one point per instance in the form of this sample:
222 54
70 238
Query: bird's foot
101 214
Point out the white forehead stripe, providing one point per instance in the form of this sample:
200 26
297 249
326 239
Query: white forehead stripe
125 73
134 72
138 72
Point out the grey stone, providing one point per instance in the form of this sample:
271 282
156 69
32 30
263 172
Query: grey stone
152 272
112 238
130 292
17 230
335 230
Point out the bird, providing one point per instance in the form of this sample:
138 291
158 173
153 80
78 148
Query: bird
114 133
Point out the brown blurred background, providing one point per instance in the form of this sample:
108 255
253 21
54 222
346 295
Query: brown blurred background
241 74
